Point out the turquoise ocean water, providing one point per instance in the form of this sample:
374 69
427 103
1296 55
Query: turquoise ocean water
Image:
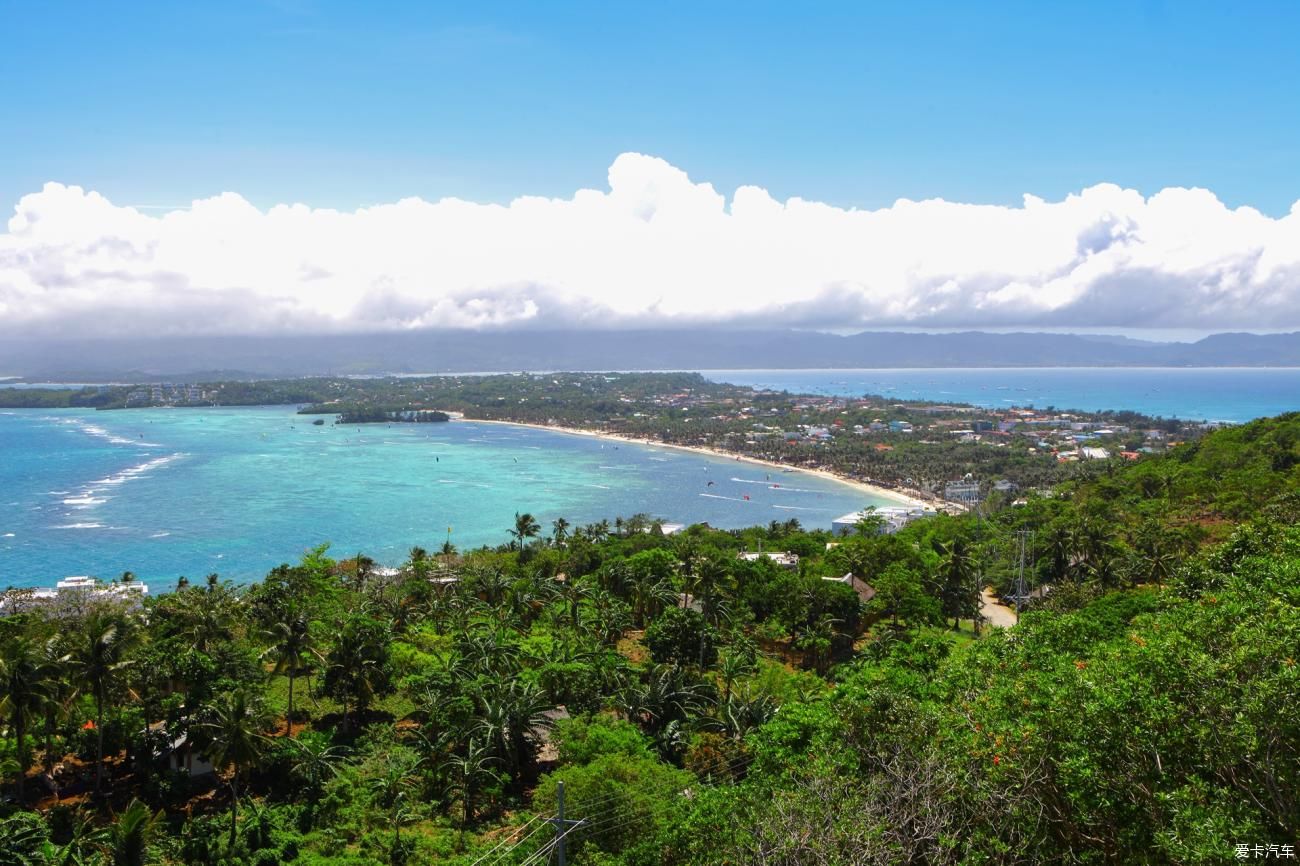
166 492
1203 393
237 491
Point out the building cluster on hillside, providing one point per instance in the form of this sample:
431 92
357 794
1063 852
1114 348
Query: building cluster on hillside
1067 436
167 394
71 591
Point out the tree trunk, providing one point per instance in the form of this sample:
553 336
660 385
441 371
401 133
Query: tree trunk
99 743
20 731
290 718
234 810
49 742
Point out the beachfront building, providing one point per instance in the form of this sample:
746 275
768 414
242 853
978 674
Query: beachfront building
965 490
892 519
785 560
78 588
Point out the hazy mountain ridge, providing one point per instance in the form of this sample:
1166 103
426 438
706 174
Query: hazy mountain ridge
484 351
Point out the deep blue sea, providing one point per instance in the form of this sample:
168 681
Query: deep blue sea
1200 393
170 492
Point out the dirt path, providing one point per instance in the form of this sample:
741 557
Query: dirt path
994 611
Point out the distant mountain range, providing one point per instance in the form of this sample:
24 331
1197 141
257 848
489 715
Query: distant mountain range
212 358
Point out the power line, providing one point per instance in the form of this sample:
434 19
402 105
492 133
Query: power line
597 817
730 767
512 834
502 857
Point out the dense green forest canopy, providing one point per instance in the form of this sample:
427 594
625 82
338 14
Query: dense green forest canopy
700 707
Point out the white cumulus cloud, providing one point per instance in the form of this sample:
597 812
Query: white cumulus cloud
655 248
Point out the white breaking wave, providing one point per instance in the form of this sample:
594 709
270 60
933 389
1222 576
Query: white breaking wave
92 494
80 526
100 432
136 471
732 498
774 485
84 501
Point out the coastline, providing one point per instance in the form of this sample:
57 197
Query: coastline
904 498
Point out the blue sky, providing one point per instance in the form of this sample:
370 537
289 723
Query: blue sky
856 104
746 164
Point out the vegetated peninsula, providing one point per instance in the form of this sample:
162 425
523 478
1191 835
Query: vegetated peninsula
916 448
367 414
766 695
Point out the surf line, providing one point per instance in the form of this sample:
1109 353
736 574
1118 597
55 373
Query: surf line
731 498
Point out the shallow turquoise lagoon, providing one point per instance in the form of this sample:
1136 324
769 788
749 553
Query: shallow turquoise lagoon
171 492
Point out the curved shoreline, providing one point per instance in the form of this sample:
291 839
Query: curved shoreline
909 499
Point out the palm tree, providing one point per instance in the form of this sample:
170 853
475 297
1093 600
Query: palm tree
469 771
609 617
509 718
208 616
292 647
526 527
665 696
572 592
559 531
958 594
731 667
819 641
355 668
742 713
24 693
126 841
231 730
394 789
100 662
1157 552
490 582
650 595
1059 541
709 581
317 762
58 691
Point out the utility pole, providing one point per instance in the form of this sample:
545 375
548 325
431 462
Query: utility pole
1020 580
562 826
972 500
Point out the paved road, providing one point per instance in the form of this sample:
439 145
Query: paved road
995 612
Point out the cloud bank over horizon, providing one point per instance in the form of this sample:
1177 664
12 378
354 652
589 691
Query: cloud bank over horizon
655 249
